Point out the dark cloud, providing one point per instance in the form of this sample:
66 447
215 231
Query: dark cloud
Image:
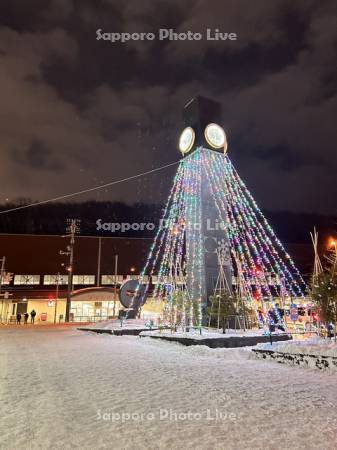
83 111
37 156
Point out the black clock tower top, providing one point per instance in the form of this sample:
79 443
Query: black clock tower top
198 113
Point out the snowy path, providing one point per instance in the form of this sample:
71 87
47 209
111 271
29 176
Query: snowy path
59 388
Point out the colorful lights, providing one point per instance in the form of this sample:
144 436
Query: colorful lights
258 256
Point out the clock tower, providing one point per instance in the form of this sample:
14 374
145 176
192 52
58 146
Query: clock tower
208 235
202 118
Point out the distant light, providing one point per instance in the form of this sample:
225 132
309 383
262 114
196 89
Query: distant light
332 243
133 269
175 231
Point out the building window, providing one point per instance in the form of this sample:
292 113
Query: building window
52 279
132 277
161 280
110 279
26 279
83 279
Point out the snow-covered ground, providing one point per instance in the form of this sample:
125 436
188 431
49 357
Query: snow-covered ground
313 346
65 389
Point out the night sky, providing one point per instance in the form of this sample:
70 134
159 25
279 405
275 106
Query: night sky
76 112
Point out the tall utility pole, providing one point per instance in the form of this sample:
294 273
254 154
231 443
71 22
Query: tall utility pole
57 295
4 277
72 229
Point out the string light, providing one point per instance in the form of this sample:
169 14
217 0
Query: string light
264 263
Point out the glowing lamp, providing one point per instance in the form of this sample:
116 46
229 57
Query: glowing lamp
332 243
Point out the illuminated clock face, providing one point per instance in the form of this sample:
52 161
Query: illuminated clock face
215 136
186 140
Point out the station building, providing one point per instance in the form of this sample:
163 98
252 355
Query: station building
40 276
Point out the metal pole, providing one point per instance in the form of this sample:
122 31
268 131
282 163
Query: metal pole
115 289
98 281
70 281
57 295
1 278
73 228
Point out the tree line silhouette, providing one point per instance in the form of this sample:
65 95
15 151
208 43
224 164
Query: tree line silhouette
52 218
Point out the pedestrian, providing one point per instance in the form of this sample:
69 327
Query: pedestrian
32 316
330 330
277 315
260 318
25 316
272 320
279 310
18 318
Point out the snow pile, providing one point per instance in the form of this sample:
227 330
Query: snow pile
199 351
313 346
229 354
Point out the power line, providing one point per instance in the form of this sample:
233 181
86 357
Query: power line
85 191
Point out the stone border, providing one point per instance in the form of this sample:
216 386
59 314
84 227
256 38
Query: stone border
116 332
221 342
298 359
